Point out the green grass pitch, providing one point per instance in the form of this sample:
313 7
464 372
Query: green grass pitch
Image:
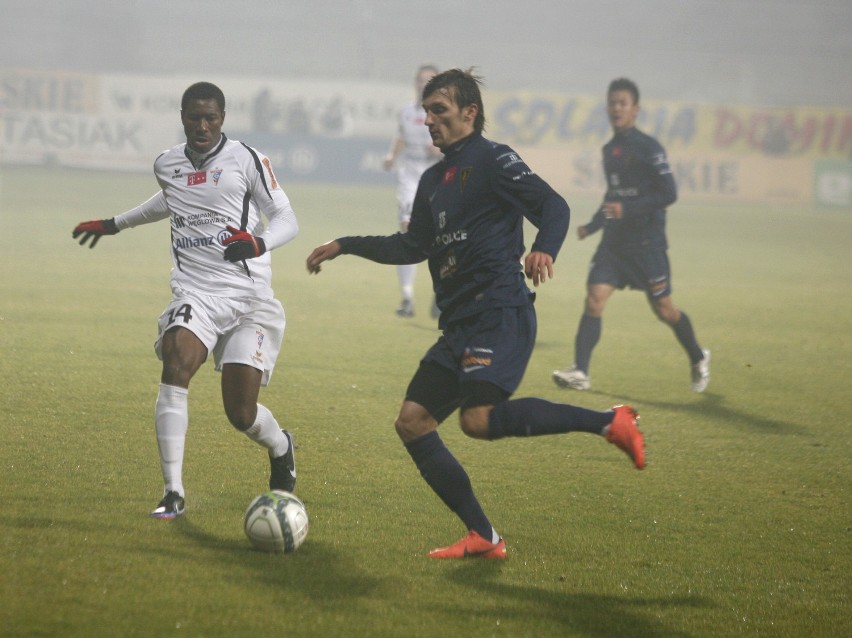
740 525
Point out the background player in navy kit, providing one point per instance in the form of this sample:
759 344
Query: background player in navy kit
467 220
412 152
633 249
212 191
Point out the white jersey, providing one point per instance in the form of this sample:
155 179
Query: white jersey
416 156
415 134
231 186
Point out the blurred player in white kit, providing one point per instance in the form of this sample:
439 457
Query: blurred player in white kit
412 152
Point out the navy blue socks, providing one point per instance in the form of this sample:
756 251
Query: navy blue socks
588 335
536 417
686 336
448 479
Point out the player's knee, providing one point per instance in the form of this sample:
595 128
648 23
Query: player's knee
241 416
403 429
666 317
594 305
474 422
667 313
177 373
413 423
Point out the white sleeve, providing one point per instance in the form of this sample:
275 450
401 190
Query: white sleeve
282 225
276 206
152 210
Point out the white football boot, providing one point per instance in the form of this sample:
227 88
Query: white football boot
573 378
701 373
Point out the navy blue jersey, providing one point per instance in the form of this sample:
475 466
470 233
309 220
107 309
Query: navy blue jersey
638 175
467 220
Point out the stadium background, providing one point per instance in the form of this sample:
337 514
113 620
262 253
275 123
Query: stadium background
740 526
751 109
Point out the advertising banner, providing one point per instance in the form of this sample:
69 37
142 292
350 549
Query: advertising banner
542 119
338 131
122 122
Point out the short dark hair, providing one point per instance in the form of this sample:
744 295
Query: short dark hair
203 91
463 86
623 84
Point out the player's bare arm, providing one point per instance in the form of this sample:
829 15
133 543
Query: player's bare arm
538 266
327 251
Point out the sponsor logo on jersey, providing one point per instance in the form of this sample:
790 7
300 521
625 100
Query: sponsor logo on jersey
464 176
194 242
450 174
177 174
476 359
203 218
193 179
445 239
624 192
522 175
510 159
448 264
272 183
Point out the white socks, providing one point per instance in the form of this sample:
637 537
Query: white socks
266 431
172 421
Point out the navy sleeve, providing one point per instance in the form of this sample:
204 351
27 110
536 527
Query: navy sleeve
596 222
525 191
662 191
390 249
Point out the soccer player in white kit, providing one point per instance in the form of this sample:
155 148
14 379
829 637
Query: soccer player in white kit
412 151
213 192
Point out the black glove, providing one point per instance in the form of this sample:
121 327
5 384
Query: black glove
94 230
242 245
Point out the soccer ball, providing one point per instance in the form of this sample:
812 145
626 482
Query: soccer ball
276 521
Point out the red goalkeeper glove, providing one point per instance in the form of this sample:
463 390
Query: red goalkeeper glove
94 230
242 245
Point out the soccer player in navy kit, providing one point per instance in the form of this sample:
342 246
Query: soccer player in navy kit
213 190
633 249
467 220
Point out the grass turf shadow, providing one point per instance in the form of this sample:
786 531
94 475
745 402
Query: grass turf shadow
582 614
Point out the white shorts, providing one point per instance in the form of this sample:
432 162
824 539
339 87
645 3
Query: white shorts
405 202
406 189
245 330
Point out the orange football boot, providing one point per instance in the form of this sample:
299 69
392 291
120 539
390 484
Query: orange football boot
472 546
624 432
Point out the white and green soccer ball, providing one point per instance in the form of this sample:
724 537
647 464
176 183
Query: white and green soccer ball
276 521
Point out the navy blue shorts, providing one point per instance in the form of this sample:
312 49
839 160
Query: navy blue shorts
476 361
646 270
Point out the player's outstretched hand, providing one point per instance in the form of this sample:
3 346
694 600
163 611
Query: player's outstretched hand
94 230
242 245
538 267
328 250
